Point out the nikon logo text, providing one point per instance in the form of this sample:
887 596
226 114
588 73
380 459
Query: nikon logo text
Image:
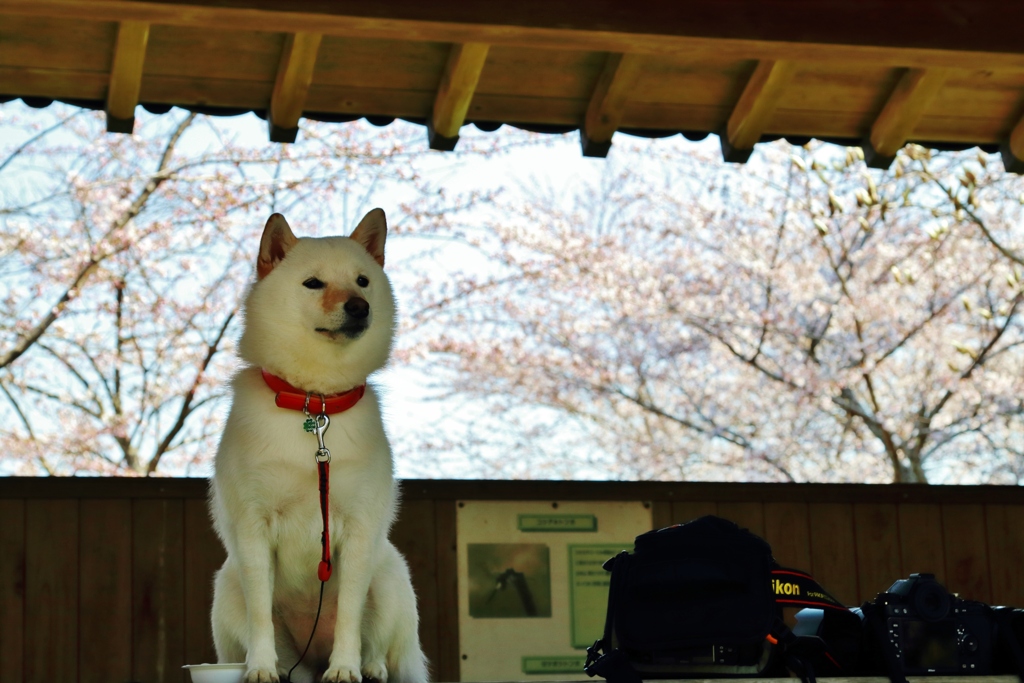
785 588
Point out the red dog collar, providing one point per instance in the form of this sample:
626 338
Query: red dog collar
293 398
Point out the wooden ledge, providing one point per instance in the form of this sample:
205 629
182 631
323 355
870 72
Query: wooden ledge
489 489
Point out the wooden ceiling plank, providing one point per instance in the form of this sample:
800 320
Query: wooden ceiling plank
54 84
126 75
454 94
820 46
1012 150
914 92
294 76
754 109
608 103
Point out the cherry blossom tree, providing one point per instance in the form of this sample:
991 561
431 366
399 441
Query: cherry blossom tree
123 261
799 318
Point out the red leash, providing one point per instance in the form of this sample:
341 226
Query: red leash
318 425
316 407
317 422
324 468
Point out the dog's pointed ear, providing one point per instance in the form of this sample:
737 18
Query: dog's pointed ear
371 232
277 241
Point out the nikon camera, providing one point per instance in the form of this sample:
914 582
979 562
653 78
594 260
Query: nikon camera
934 632
916 627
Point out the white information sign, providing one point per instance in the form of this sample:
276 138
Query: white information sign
532 592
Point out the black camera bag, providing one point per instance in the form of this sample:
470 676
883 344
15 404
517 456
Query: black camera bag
703 599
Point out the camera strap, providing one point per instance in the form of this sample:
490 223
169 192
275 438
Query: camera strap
794 588
613 666
799 652
876 627
1014 649
600 659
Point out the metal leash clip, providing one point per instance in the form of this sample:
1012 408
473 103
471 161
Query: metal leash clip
318 425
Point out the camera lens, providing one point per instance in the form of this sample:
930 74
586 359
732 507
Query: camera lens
931 601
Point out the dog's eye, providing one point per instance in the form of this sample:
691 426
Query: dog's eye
362 281
313 283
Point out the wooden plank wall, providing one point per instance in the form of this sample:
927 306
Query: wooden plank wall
110 579
101 589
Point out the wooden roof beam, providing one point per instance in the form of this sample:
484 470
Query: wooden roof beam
755 107
455 92
608 103
126 75
1013 149
895 124
294 76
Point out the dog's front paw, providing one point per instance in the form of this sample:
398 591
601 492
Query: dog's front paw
261 676
378 671
344 673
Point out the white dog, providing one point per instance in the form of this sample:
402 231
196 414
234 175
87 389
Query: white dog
318 320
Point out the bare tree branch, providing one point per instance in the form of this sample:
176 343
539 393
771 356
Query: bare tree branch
186 404
88 267
18 411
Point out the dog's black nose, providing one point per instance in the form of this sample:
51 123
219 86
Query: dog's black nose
357 307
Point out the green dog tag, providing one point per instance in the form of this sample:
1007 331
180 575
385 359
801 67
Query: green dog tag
309 425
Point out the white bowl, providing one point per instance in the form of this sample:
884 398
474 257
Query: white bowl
216 673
